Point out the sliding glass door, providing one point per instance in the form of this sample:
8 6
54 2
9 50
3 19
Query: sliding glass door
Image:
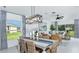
13 28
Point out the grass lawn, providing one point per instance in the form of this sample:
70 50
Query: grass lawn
71 33
13 36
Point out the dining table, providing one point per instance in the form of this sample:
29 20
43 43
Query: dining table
42 43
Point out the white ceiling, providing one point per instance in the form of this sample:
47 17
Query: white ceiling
19 10
69 13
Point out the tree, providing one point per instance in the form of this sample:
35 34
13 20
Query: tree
61 27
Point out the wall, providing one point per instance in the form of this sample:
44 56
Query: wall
30 28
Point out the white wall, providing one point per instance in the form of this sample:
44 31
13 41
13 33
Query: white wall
31 28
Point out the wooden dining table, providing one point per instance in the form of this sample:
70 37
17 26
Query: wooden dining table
42 43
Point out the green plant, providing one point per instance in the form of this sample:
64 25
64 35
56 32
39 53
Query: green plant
52 27
61 27
71 33
13 36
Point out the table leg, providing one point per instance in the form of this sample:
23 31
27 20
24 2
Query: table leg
44 50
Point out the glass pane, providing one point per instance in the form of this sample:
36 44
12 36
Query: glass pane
13 28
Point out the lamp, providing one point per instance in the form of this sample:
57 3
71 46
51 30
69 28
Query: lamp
34 19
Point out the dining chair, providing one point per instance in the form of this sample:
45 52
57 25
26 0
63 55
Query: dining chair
31 47
56 37
52 48
22 46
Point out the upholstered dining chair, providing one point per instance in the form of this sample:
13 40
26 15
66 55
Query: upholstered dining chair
31 47
52 49
22 46
56 37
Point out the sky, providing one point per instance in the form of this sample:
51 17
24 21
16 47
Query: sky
14 22
14 19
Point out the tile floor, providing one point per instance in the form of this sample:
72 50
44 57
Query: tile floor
10 50
12 43
67 46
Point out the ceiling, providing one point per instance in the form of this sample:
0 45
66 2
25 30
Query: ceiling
69 12
19 10
25 10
